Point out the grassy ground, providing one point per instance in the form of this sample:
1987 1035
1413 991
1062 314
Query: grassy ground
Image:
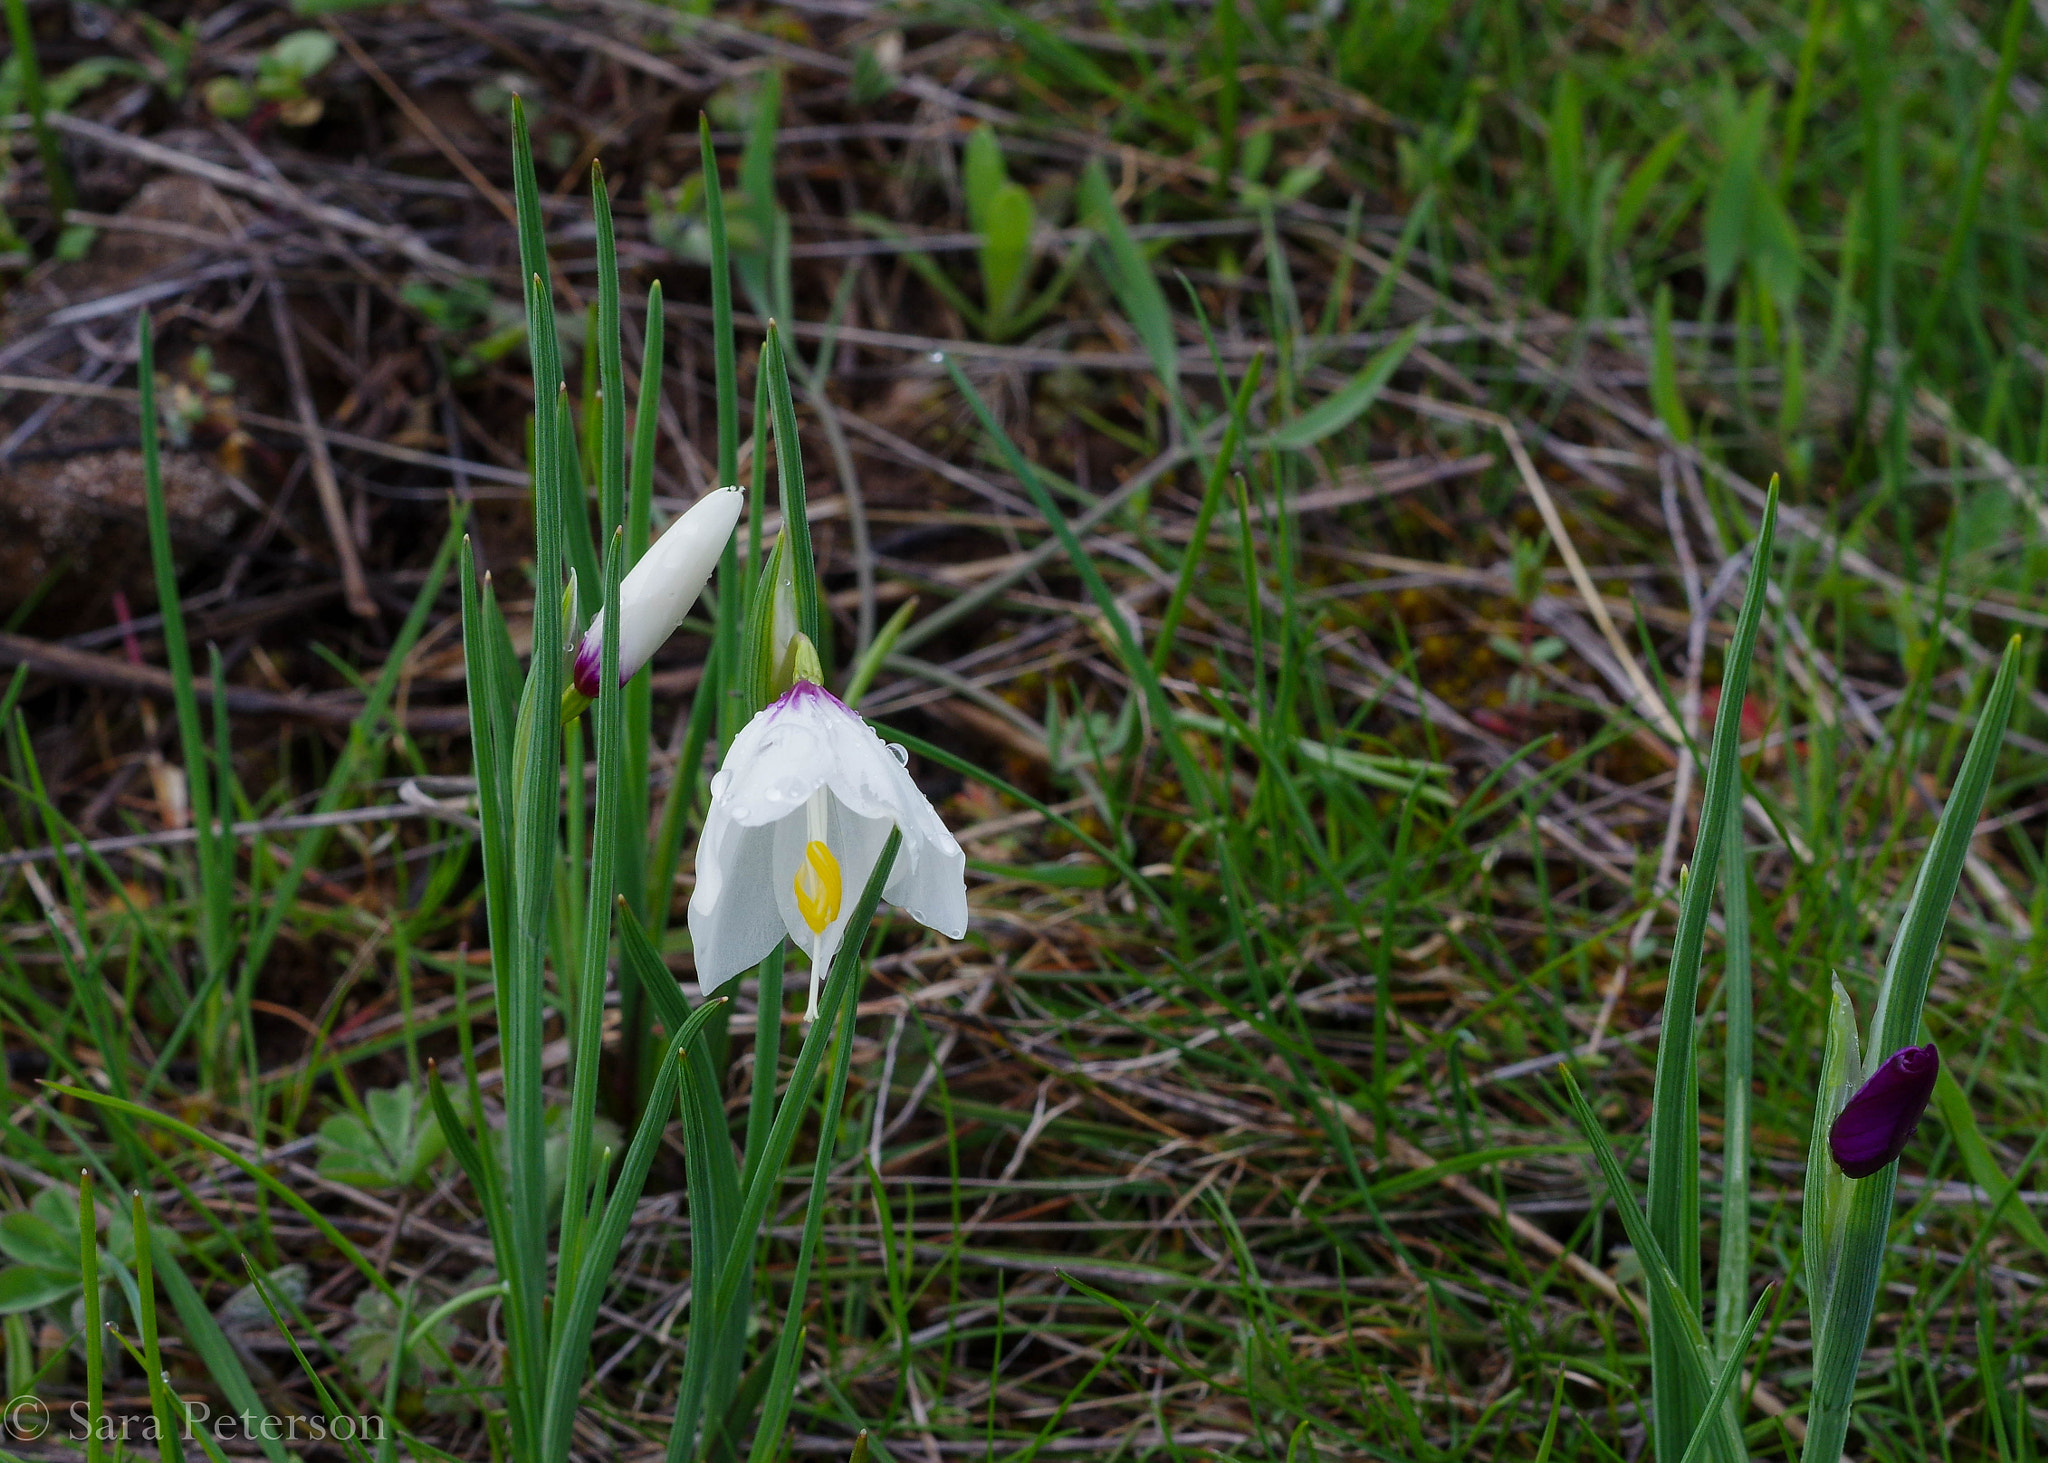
1234 1127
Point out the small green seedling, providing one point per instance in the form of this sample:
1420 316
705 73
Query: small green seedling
468 311
281 76
1002 213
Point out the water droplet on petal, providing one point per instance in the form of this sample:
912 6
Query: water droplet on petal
900 752
720 781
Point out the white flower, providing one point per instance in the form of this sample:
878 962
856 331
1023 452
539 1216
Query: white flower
659 590
799 814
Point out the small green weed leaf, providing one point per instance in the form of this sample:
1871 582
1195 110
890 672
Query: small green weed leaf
982 175
1005 252
29 1239
1350 401
1664 370
245 1309
1566 146
374 1339
1746 220
1726 230
299 55
394 1150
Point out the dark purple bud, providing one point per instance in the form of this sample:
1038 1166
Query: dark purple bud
1874 1127
588 670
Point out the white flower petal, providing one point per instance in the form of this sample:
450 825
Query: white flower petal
735 921
659 590
807 744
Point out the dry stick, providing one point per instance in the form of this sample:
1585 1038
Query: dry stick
432 132
398 240
1649 705
429 129
115 673
354 586
1681 786
349 441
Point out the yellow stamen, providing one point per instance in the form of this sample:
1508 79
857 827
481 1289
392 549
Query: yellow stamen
818 887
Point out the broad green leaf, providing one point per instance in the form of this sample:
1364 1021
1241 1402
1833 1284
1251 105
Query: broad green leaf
28 1239
25 1288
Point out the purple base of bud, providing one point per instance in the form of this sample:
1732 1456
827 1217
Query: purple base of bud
1880 1117
587 672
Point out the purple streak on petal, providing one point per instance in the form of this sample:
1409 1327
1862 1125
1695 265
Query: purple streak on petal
807 691
588 671
1881 1116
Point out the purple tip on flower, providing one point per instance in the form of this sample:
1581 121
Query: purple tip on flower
803 693
587 672
1881 1116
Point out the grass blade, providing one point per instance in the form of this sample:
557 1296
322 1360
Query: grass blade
1724 1382
1671 1310
1348 402
1131 279
1674 1188
789 473
1732 1285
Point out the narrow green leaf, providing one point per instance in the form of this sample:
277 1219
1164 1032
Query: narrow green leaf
1642 183
1348 402
1732 1284
1715 1418
569 1356
1664 370
1671 1310
802 565
1840 1333
1130 276
204 1335
1674 1188
1954 1106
